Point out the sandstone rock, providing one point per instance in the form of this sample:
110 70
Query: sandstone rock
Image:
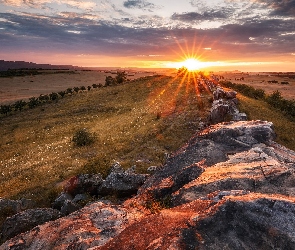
26 220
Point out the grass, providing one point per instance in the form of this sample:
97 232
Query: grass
135 124
260 110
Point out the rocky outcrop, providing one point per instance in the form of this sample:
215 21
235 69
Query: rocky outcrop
230 187
26 220
224 107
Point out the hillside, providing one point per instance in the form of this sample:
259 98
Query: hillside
230 186
136 124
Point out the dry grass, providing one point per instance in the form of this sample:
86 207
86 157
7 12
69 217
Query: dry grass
135 124
260 110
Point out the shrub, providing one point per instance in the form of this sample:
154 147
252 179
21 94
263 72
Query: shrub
19 105
83 137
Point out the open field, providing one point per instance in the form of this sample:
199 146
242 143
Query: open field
136 123
260 80
24 87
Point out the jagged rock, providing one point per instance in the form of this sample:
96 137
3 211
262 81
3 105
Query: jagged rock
93 225
219 93
69 207
15 206
227 187
207 148
235 222
26 220
60 200
121 183
84 183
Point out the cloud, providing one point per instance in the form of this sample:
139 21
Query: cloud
192 17
138 4
280 7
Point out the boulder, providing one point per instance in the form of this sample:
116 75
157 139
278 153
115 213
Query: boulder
26 220
83 183
206 149
90 227
121 183
11 207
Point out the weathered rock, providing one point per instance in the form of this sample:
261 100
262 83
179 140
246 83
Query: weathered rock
235 222
228 188
84 183
69 207
15 206
60 200
207 148
121 183
26 220
93 225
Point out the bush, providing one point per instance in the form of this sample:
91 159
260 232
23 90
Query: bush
83 137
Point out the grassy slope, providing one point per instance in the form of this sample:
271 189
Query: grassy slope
135 124
260 110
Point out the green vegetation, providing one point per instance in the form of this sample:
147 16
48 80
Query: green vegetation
135 123
275 99
83 137
259 106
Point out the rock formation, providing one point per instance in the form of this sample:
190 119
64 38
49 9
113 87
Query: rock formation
230 187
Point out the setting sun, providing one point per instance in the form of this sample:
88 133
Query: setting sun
192 64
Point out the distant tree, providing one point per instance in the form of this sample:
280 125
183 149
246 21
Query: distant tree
109 81
5 109
94 86
19 105
121 77
33 102
76 89
88 87
62 93
53 96
43 98
69 91
82 88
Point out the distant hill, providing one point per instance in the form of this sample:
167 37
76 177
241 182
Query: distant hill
6 65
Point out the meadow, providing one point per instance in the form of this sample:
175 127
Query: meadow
136 123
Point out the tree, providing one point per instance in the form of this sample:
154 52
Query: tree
76 89
53 96
33 102
89 87
19 105
69 91
62 93
121 77
109 81
82 88
5 109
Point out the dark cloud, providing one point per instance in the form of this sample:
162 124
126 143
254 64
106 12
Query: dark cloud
192 17
75 34
280 7
138 4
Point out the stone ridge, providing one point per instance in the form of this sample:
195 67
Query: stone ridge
230 187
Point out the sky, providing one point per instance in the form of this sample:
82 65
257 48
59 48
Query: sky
252 35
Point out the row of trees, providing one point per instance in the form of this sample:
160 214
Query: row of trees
275 99
33 102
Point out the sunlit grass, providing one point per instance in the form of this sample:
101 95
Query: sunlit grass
135 124
260 110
